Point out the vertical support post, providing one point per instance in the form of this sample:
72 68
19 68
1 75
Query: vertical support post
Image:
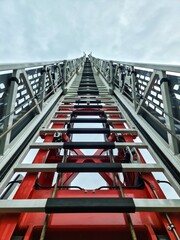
173 144
124 78
121 78
60 76
50 79
43 84
111 73
100 65
133 78
11 100
64 75
76 67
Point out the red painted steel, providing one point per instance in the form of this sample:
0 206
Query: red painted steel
86 225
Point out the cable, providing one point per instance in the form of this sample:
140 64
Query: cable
171 225
160 181
132 230
37 185
43 232
16 181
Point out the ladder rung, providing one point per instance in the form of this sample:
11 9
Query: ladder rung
87 130
87 88
87 97
106 157
87 120
88 100
88 106
83 92
97 96
86 145
88 167
91 112
88 83
89 205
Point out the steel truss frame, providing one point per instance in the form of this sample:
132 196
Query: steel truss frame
29 92
151 93
132 204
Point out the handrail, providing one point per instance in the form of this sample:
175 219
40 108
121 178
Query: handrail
161 67
10 66
155 66
23 89
161 88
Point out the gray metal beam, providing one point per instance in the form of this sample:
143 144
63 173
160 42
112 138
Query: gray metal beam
126 167
42 87
87 100
69 112
141 205
157 205
8 121
18 206
162 67
10 66
51 80
68 119
64 130
165 91
133 84
54 145
84 97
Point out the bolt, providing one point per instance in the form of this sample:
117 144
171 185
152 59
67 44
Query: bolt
170 227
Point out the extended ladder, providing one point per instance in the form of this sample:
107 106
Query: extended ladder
131 205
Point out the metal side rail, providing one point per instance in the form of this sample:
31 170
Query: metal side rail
90 134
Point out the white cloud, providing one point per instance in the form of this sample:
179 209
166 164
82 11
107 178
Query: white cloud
128 30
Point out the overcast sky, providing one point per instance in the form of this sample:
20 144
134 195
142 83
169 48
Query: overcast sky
131 30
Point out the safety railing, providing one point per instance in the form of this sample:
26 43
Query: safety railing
25 87
153 91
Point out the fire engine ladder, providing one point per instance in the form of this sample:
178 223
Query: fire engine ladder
101 98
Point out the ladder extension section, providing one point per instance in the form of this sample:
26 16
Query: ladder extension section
129 205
